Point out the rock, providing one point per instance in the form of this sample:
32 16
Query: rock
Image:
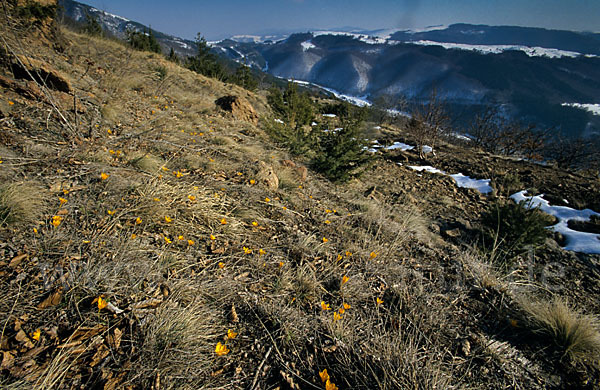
302 172
240 108
452 233
288 163
266 176
29 91
32 69
466 225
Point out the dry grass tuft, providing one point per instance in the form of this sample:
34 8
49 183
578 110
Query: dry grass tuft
21 202
147 163
574 334
179 339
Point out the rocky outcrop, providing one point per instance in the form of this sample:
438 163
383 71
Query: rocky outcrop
239 107
300 169
266 176
32 69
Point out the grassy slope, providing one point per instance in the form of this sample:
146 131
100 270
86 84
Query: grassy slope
423 313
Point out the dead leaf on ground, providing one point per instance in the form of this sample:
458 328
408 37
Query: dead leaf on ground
14 263
21 337
8 359
83 333
3 342
114 340
148 303
34 352
100 354
52 299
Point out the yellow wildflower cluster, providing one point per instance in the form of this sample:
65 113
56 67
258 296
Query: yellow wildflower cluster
327 380
56 220
101 302
36 334
221 349
337 315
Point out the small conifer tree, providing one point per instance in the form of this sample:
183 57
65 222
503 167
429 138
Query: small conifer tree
205 62
92 26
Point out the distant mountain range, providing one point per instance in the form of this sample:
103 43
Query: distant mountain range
534 74
548 77
117 26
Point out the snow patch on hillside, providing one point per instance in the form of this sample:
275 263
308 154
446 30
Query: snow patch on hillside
575 241
593 108
497 49
399 145
307 45
109 14
369 39
481 185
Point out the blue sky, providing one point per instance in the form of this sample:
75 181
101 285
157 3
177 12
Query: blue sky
221 19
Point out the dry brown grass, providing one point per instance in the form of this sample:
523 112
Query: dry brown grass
572 333
22 202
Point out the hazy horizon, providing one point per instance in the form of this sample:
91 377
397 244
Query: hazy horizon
185 18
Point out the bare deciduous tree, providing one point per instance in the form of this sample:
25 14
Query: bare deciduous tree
429 123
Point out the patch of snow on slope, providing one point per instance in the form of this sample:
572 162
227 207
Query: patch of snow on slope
426 168
369 39
481 185
182 44
363 69
307 45
237 52
357 101
109 14
576 241
497 49
399 145
593 108
430 28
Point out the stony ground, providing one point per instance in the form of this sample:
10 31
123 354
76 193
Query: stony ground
154 240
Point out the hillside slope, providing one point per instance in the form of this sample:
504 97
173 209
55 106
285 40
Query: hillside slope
150 239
